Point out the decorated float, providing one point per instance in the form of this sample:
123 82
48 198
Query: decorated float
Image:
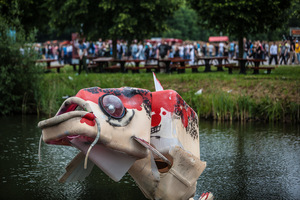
154 136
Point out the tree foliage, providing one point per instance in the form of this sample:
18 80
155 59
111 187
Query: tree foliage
124 19
241 18
31 14
184 25
19 76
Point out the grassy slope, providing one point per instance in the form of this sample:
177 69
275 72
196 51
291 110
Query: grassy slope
273 96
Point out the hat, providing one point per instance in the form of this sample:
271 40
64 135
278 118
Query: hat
296 40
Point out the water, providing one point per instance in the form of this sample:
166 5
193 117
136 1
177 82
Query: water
244 161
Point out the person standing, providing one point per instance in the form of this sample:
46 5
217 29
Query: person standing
82 53
283 53
273 53
163 52
119 50
246 48
236 50
231 50
134 50
216 49
60 54
221 49
226 49
210 49
69 53
292 52
266 47
297 51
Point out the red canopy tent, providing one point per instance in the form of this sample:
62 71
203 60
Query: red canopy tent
65 42
218 39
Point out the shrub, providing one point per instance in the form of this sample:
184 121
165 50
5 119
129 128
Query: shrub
19 76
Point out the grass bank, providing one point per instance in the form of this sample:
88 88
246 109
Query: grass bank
267 97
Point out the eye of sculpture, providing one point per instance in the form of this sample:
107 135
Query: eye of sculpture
112 106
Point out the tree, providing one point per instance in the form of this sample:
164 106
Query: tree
19 76
240 17
32 14
120 19
184 25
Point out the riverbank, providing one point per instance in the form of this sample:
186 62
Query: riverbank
265 97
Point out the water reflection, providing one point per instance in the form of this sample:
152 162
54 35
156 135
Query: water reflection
252 161
244 161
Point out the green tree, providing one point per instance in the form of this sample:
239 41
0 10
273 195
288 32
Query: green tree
184 25
240 17
32 14
19 76
120 19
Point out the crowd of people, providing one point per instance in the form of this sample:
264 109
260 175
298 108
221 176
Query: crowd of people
284 52
281 52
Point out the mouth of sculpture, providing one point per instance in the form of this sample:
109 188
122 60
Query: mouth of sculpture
72 108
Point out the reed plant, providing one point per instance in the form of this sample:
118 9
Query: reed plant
267 97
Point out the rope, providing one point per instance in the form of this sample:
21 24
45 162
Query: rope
93 144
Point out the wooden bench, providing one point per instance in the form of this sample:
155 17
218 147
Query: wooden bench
57 67
149 68
113 68
231 66
194 68
92 66
133 69
268 68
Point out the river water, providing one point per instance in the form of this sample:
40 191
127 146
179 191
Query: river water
244 161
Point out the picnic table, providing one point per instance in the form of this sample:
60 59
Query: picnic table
220 64
168 61
207 62
255 65
124 61
103 62
48 64
242 64
179 64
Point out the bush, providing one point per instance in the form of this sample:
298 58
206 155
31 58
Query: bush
19 75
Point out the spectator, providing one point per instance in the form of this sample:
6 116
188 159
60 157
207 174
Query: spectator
91 48
226 49
204 48
297 51
140 53
273 53
69 54
181 51
82 53
283 53
246 48
147 51
177 52
210 49
231 50
216 49
60 54
119 50
134 50
65 54
163 52
292 52
236 50
100 47
266 48
221 49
